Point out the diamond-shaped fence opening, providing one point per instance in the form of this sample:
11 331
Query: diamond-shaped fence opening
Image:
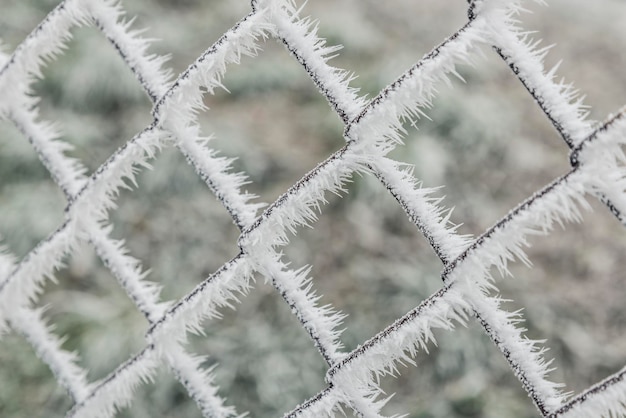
372 129
30 203
485 165
92 314
170 200
375 267
163 19
261 353
577 258
103 89
380 40
244 126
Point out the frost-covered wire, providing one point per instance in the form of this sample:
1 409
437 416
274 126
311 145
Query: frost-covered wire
372 129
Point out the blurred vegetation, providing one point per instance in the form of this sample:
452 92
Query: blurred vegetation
487 142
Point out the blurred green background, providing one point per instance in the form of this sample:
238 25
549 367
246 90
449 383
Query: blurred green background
488 143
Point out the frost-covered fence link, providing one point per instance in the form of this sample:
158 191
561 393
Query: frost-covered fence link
372 129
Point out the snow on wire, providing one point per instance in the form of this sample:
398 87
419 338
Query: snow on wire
372 129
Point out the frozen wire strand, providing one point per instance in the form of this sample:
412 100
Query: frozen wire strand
300 38
545 399
579 405
66 172
521 210
41 44
319 322
132 48
30 324
307 192
208 168
315 406
328 402
429 59
421 209
255 23
127 270
540 100
189 371
333 97
558 102
400 341
422 310
63 364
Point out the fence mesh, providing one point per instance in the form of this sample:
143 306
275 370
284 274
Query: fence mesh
373 128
